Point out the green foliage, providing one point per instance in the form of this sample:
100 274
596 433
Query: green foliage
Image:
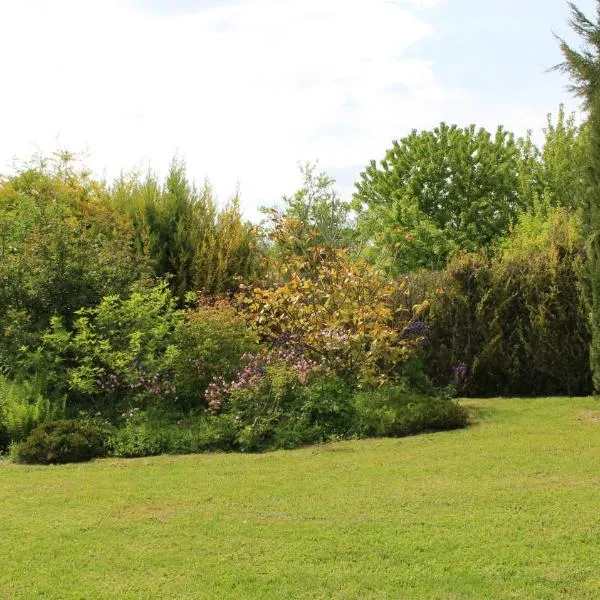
542 230
258 408
439 191
562 160
120 353
515 324
322 411
275 404
22 408
584 69
211 343
65 441
142 351
185 235
397 411
283 412
62 247
144 435
314 217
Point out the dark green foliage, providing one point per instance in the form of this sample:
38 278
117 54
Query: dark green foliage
57 442
321 411
515 325
296 415
584 69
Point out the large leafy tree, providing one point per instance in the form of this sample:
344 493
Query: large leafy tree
583 66
443 190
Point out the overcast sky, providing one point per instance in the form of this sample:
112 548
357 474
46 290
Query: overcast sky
245 89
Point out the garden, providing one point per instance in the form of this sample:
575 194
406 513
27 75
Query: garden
428 349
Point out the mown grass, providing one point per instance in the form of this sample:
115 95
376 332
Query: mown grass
509 508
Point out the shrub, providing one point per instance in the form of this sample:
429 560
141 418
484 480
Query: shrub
394 411
283 400
515 325
277 408
119 354
259 403
64 247
146 436
322 411
337 310
212 343
62 441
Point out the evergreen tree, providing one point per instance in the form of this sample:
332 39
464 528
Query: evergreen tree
583 66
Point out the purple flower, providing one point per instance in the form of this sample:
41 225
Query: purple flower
416 329
460 372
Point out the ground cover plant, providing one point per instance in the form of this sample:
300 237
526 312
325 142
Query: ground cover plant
504 509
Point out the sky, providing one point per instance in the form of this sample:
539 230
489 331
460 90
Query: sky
245 90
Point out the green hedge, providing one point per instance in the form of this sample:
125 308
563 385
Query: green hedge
515 325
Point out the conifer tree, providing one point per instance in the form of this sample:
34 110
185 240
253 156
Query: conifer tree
583 67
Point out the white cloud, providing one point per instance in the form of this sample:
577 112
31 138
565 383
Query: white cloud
243 91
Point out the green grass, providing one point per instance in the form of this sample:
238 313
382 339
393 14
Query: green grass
509 508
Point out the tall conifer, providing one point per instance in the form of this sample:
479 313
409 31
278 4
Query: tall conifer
583 67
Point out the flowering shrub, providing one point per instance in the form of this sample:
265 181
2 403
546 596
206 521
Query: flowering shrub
254 371
339 312
212 344
281 399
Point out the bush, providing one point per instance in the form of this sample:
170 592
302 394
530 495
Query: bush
515 325
283 400
64 247
335 308
322 411
279 409
144 435
120 354
395 412
210 344
57 442
265 393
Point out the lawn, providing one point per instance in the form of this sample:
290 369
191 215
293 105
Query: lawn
509 508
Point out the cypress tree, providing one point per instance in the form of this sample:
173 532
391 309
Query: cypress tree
583 67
